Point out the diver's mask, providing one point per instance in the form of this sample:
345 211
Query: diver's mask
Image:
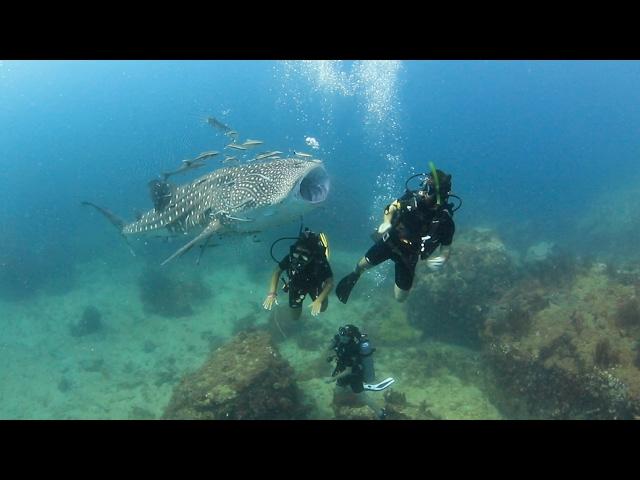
428 187
346 333
342 336
300 258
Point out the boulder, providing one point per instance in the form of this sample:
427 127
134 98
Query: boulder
245 379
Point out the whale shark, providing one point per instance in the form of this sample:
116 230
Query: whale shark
241 199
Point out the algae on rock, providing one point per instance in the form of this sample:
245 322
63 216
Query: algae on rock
244 379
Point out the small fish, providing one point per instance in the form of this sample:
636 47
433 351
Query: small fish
303 155
217 124
232 133
186 166
204 155
252 143
267 155
236 146
228 159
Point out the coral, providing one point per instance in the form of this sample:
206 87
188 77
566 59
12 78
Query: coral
573 360
171 294
91 322
244 379
350 407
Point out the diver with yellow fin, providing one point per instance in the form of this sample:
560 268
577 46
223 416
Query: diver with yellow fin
414 226
308 272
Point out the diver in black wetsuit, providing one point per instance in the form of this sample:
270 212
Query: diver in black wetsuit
414 226
353 352
309 272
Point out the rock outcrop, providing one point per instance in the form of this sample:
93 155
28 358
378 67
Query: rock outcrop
245 379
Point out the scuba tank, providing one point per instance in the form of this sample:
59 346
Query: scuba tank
358 345
430 181
366 353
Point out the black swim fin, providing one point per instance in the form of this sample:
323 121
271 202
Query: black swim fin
343 290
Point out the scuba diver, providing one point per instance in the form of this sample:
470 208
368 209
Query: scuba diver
414 226
353 352
309 272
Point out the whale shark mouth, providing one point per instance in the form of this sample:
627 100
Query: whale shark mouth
314 187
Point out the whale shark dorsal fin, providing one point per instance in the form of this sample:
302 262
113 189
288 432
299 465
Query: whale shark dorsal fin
161 193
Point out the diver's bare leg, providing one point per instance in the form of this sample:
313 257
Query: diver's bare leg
400 294
325 304
363 264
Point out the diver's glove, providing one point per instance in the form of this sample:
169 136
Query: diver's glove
343 290
436 263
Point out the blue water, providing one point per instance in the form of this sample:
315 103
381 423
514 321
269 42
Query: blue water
523 139
531 145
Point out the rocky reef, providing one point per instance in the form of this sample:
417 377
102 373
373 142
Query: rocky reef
450 305
244 379
559 333
387 322
569 350
171 293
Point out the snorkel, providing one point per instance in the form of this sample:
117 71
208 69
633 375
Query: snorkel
434 178
436 182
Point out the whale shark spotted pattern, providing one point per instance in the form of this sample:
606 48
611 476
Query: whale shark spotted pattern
256 195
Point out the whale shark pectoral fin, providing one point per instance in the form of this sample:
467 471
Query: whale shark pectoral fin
209 230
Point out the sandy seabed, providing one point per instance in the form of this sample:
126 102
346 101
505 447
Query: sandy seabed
129 369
